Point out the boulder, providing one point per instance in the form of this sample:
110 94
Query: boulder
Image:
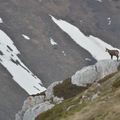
92 73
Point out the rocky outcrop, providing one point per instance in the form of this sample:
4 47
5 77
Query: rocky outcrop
100 101
92 73
33 112
34 105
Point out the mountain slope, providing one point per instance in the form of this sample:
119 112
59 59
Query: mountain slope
31 18
101 101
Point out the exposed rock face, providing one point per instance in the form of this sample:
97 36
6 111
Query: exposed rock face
33 106
29 103
33 112
95 72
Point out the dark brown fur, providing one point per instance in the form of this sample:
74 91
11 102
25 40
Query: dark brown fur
113 53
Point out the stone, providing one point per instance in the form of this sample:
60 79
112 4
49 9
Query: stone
92 73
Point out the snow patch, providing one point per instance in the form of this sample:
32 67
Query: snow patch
53 42
20 73
109 20
1 21
95 46
64 53
26 37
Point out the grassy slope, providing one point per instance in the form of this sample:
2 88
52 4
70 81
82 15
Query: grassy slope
86 107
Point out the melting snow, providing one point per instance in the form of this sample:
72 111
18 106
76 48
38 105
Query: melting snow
53 42
64 53
109 20
20 73
95 46
1 21
26 37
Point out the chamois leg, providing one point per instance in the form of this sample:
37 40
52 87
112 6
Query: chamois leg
117 57
111 56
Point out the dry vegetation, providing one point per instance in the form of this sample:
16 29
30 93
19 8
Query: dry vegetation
105 106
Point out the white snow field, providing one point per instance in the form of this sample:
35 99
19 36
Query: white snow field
95 46
20 73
